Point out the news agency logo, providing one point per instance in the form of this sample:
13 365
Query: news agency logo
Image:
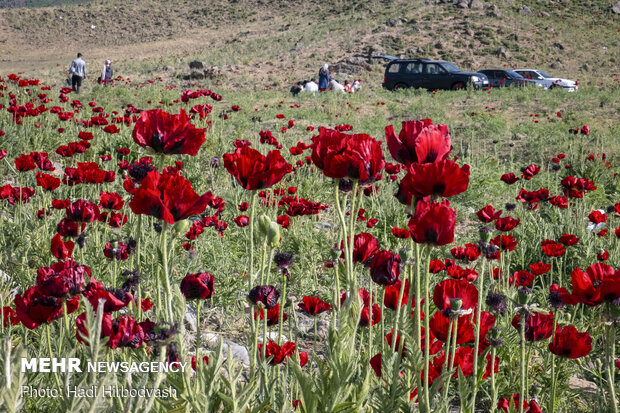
74 365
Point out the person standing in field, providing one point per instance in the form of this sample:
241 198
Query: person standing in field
106 74
324 77
77 71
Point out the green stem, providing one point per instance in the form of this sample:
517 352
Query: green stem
252 225
493 385
198 338
523 366
477 337
611 359
444 398
352 220
164 254
281 314
49 348
343 224
427 359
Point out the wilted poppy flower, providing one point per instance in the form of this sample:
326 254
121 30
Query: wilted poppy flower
168 134
35 308
433 223
447 290
339 155
313 306
570 343
385 267
62 279
61 249
267 295
197 286
419 141
444 178
538 326
168 197
253 170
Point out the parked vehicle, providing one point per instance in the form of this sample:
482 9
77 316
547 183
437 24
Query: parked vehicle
503 78
428 74
548 81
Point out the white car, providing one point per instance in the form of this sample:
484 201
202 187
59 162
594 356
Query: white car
547 81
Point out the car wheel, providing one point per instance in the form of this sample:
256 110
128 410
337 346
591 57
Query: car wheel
458 86
400 86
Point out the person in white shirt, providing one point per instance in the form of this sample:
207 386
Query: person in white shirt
311 86
77 71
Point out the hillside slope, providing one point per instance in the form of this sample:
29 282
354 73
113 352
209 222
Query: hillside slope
247 39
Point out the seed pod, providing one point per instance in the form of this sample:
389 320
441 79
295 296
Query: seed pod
273 235
263 223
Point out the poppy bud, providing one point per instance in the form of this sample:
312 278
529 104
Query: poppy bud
335 253
273 235
263 223
456 304
180 227
485 234
614 310
406 254
523 295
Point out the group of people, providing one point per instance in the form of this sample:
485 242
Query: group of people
77 73
326 82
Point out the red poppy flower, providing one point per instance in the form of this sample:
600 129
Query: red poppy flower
254 170
538 326
400 232
597 217
568 240
313 305
146 304
447 290
530 171
339 155
439 325
603 255
444 178
24 163
113 299
83 211
60 249
168 134
62 279
365 246
539 268
125 331
469 252
506 224
570 343
385 267
242 220
509 178
392 293
9 317
168 197
522 278
488 214
47 182
195 286
116 250
436 266
275 352
34 308
365 315
111 200
205 360
505 242
273 315
117 220
433 223
552 249
419 142
597 284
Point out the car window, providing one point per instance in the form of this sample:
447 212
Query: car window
394 68
450 67
433 69
543 74
528 75
413 68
